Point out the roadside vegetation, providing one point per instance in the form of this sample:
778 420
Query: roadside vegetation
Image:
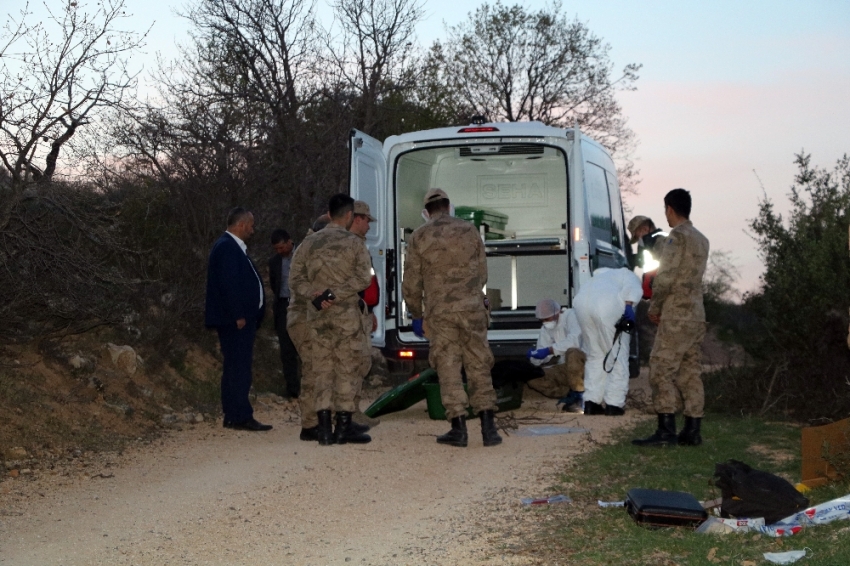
794 329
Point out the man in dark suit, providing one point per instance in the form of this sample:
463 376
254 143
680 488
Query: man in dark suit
234 307
279 281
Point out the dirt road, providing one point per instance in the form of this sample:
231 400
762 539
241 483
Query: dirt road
206 495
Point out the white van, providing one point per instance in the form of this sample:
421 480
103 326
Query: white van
546 201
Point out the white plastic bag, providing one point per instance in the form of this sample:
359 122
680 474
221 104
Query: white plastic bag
784 557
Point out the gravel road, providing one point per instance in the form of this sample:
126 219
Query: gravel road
206 495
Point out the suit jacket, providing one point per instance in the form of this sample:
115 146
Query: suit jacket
274 275
233 286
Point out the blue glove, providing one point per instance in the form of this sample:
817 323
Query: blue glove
540 354
630 313
417 327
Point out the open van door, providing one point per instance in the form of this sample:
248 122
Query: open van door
367 182
580 238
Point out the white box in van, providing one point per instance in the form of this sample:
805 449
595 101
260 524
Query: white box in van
549 207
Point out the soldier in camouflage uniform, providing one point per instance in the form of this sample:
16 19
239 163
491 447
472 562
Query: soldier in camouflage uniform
334 259
362 218
300 333
444 275
677 309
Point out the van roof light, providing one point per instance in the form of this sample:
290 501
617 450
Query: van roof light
477 129
478 119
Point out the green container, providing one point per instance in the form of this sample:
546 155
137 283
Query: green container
478 216
508 398
402 397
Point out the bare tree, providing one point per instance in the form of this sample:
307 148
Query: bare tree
262 52
513 64
56 77
374 56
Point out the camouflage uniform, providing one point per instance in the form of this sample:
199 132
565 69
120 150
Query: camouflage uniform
339 353
558 380
444 275
366 321
674 365
568 374
302 336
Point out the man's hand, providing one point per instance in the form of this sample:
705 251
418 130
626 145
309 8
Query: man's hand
240 324
325 304
655 319
540 354
417 327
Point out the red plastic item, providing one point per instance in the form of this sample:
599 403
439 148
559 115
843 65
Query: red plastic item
372 294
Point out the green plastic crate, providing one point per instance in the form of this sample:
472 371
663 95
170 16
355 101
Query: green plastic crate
479 216
508 398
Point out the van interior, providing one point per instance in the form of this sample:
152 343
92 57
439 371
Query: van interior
517 195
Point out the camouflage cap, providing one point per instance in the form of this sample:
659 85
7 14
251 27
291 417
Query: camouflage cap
434 195
362 208
546 308
636 223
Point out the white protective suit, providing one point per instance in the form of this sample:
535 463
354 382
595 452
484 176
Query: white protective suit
565 335
599 305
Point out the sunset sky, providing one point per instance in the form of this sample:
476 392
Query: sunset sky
728 93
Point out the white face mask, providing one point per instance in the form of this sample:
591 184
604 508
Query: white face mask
550 324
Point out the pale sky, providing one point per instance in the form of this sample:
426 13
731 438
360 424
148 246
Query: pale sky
728 92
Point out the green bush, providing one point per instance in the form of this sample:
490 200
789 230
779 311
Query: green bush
795 326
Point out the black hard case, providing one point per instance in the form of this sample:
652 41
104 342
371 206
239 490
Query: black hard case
657 508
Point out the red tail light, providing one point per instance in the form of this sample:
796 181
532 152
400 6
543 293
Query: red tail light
477 129
405 354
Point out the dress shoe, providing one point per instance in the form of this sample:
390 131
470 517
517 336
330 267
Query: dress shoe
251 425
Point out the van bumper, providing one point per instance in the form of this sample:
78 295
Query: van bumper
395 349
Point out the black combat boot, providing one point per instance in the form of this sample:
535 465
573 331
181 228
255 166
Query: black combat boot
457 436
358 428
308 434
591 408
488 429
324 430
664 436
343 433
324 434
690 435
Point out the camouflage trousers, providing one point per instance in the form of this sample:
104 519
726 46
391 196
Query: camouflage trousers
675 367
340 356
459 340
367 330
560 379
302 335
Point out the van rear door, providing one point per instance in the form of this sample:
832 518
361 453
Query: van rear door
367 182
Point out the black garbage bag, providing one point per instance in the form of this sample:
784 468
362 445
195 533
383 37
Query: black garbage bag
753 493
514 371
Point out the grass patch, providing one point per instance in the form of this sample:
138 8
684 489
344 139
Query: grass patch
584 533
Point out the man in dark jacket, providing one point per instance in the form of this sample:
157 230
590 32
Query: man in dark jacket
234 307
279 281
